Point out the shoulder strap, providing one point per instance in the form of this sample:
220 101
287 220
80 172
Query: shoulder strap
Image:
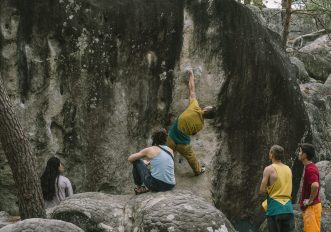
168 152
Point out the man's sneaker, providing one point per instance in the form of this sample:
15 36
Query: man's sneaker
203 169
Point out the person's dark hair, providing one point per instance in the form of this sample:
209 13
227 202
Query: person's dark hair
308 149
210 113
277 152
159 137
49 177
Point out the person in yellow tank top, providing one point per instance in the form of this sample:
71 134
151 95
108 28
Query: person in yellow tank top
190 122
277 183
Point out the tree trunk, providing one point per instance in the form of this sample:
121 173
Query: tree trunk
286 25
22 163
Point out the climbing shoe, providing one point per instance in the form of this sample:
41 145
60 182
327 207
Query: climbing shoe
203 169
140 190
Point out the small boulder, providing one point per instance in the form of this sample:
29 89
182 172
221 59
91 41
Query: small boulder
41 225
93 211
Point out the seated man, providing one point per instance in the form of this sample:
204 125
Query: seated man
190 122
161 176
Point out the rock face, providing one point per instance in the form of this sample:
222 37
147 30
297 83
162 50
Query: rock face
317 97
91 80
86 80
169 211
301 24
302 73
249 124
325 175
41 225
317 57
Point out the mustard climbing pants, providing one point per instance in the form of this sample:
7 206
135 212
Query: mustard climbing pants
312 218
186 150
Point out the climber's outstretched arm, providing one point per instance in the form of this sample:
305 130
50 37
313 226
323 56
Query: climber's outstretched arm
191 85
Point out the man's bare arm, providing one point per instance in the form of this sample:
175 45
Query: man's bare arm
145 153
265 180
313 191
191 85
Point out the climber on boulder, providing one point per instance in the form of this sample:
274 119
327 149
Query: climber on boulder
161 174
190 122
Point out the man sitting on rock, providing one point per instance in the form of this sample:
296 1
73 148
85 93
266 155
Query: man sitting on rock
161 175
277 182
190 122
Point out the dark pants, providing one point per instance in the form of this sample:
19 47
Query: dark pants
142 175
281 223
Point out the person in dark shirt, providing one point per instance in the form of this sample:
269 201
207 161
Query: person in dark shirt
310 202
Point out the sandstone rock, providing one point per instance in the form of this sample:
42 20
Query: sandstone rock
318 105
106 73
3 218
176 211
41 225
325 172
328 81
301 70
259 104
168 211
93 211
317 57
328 187
96 93
301 24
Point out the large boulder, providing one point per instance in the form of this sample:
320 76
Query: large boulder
85 80
41 225
324 168
168 211
302 73
318 105
259 104
90 80
317 57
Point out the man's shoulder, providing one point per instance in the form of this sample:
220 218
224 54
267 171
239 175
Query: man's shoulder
269 168
311 168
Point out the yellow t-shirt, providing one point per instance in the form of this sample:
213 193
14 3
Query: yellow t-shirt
191 120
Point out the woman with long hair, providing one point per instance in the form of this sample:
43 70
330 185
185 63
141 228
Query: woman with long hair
55 187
